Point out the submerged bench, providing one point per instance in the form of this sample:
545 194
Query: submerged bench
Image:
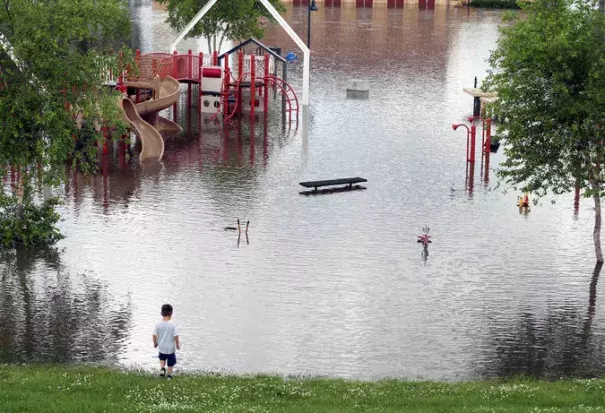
332 182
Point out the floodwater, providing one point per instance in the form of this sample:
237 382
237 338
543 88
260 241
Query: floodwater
330 285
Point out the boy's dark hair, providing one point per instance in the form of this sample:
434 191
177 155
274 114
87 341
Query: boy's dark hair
166 310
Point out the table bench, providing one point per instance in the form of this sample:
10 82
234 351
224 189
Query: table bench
332 182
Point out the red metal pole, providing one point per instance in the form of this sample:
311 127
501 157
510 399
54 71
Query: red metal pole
488 136
252 84
174 64
240 64
266 83
199 97
240 74
473 139
175 75
215 58
225 94
189 76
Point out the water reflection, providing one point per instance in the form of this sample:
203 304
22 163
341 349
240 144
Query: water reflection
51 316
560 343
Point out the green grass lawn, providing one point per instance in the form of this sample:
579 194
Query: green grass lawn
34 388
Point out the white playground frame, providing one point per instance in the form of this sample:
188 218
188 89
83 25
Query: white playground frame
282 23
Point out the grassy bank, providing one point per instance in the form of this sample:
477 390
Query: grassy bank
52 389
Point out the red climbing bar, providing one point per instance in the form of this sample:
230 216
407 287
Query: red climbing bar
266 82
252 84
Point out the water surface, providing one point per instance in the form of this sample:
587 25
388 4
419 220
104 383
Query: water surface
327 285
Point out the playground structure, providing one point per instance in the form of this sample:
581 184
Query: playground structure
486 148
232 85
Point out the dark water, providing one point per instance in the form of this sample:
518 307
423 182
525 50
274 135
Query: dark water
330 285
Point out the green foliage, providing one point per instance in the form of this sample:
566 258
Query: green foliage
52 57
495 4
228 19
549 73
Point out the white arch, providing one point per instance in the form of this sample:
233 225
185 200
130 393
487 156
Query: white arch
282 23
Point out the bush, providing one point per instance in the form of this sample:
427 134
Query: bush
28 224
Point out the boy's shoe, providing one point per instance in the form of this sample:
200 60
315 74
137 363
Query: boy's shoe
169 377
162 372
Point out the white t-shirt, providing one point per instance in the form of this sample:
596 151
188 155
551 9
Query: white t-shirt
166 332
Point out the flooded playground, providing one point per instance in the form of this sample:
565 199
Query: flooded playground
331 285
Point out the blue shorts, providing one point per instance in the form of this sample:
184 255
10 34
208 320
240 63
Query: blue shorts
170 358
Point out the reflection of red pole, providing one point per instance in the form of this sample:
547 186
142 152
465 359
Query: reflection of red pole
468 155
226 133
473 138
266 137
576 200
252 141
470 179
106 183
122 151
486 171
105 141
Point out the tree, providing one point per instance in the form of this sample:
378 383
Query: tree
52 57
549 73
228 19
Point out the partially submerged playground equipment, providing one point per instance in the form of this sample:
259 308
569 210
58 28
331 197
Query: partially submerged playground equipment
234 84
228 86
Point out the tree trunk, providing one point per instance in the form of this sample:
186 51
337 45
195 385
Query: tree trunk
597 227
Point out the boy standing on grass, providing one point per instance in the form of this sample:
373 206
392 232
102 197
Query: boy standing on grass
165 339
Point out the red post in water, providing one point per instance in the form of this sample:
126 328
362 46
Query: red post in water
226 87
473 139
488 135
189 76
174 75
252 84
199 77
240 64
225 94
266 84
174 64
241 78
